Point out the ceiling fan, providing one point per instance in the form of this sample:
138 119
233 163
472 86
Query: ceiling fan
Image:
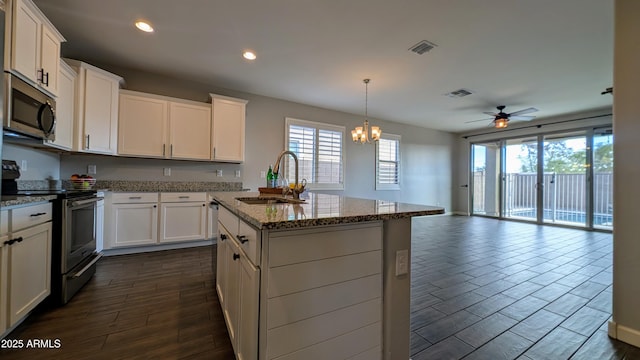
500 119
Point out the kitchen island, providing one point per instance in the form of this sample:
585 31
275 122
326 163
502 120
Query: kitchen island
328 278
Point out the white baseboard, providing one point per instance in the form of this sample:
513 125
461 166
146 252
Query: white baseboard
150 248
623 333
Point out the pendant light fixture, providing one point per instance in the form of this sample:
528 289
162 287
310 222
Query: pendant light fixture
361 133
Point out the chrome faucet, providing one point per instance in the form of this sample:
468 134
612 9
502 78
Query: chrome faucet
295 191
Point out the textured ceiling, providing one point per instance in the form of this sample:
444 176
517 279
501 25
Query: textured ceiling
554 55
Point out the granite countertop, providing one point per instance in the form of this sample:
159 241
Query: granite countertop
319 209
10 201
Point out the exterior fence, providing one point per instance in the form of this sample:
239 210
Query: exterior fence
563 194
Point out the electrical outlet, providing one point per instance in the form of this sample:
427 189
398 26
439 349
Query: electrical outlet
23 165
263 174
91 169
167 171
237 173
218 172
402 262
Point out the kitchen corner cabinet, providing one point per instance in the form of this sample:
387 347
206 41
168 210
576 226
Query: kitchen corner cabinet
228 130
157 126
35 46
65 109
183 216
96 109
132 220
25 261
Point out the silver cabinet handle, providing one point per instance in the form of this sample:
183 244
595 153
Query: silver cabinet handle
135 197
88 141
163 146
171 150
183 197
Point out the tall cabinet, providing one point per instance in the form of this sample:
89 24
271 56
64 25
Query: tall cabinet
65 108
96 123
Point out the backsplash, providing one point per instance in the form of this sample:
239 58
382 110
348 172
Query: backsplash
142 186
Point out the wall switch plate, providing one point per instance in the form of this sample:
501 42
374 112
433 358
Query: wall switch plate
237 173
218 172
402 262
23 165
263 174
167 171
91 169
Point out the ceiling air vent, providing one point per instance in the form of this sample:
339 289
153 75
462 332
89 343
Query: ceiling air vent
422 47
459 93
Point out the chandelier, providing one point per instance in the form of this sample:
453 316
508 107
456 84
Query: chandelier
361 133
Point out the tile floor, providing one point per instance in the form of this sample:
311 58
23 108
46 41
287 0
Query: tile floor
490 289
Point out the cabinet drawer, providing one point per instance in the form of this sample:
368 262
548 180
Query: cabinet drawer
183 197
228 220
134 197
4 222
250 241
30 215
247 237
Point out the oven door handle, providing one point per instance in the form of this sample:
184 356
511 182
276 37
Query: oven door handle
84 269
85 202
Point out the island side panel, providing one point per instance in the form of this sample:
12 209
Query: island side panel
396 290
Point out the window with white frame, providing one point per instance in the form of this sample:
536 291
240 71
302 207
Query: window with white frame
320 151
388 162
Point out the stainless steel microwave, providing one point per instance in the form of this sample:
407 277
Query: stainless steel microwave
28 111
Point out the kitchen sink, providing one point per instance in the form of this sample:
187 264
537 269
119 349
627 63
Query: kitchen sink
259 200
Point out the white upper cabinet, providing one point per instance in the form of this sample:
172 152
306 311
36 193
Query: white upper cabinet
158 126
96 109
228 118
190 129
65 108
34 47
142 125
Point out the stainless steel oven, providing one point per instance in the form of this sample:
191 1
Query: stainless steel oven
77 253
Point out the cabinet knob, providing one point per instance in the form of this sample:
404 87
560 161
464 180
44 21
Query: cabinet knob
223 237
242 238
155 206
236 256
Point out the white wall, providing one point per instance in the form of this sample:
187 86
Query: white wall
626 174
41 165
427 155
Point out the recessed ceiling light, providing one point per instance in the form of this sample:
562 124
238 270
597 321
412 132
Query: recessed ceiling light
144 26
249 55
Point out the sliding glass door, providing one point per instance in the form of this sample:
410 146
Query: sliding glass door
485 179
603 179
521 179
561 178
564 180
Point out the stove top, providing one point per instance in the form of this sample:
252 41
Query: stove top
60 193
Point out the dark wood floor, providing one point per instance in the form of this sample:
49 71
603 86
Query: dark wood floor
481 289
490 289
159 305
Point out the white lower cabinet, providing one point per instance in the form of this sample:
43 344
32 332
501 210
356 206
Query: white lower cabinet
310 293
237 284
140 219
3 283
29 270
183 216
132 219
25 261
